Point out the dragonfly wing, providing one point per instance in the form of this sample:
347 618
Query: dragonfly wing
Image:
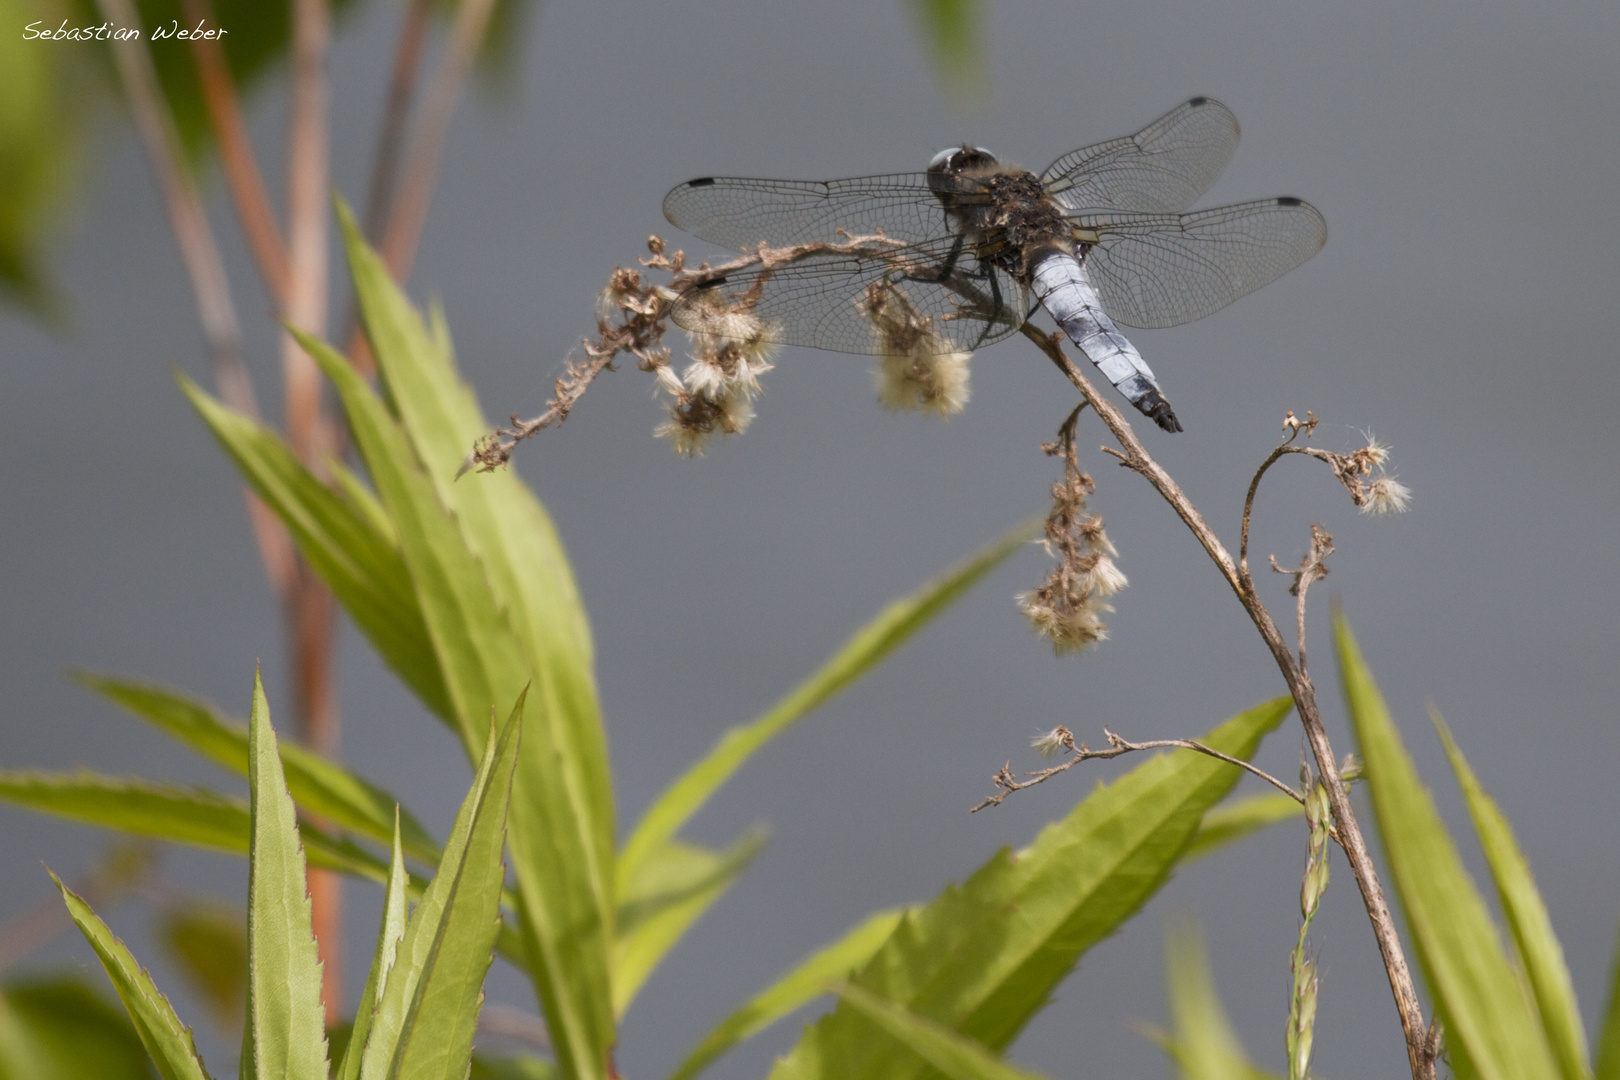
825 301
1155 270
1161 169
740 213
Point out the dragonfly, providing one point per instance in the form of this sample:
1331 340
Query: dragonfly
968 250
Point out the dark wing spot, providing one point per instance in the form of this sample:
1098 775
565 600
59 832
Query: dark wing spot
714 283
1199 101
702 181
1288 200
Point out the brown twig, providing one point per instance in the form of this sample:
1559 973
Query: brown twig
1116 746
409 210
1136 457
240 165
209 285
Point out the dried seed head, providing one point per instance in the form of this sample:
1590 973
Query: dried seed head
1375 452
1386 495
1050 742
919 369
668 381
1106 578
1070 627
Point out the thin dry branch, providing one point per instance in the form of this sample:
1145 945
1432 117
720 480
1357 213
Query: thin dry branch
409 211
209 286
241 167
1136 457
1007 783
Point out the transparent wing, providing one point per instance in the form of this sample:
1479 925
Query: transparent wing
739 213
826 301
1161 169
1156 270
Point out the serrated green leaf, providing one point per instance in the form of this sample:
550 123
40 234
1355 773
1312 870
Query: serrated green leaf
1228 824
864 650
956 1056
58 1028
428 1007
1607 1064
503 612
340 540
207 943
965 963
1209 1047
672 892
807 981
1477 993
319 786
1540 952
181 815
389 934
168 1042
285 1012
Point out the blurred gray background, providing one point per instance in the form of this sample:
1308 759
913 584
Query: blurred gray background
1464 156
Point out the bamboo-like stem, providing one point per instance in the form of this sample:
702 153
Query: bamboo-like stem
209 286
311 613
240 165
1419 1049
409 211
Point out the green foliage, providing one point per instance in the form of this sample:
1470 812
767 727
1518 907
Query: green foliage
670 892
865 649
1201 1042
428 1006
39 148
956 1056
1540 954
207 942
1228 824
953 32
962 963
61 1029
318 786
1491 1032
389 933
286 1020
1607 1065
800 986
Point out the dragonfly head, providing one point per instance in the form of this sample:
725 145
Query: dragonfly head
962 160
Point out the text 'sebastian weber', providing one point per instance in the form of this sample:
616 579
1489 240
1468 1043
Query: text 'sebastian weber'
35 31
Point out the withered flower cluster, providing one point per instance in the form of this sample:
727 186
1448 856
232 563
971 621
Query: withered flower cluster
1068 607
918 370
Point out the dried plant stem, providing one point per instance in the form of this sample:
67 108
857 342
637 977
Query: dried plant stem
209 285
311 612
241 167
1116 747
1418 1047
409 210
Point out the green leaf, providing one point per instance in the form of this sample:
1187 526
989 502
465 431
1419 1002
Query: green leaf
671 893
953 32
963 962
1206 1047
958 1057
58 1028
1539 950
207 943
425 1016
1607 1066
389 934
341 541
1476 990
800 986
194 816
41 131
168 1042
516 1067
285 1012
1227 824
503 612
319 786
865 649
